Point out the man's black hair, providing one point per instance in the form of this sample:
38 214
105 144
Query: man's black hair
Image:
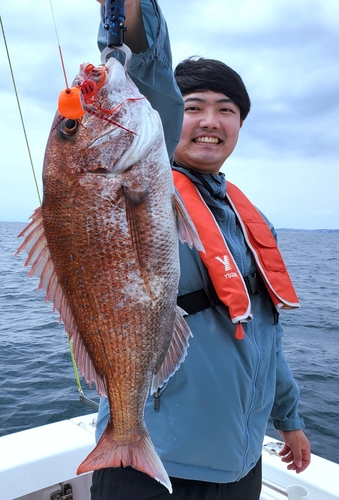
200 74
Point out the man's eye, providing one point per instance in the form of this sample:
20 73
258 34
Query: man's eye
192 108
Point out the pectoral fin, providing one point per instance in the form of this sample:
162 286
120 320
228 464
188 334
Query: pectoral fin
186 229
139 219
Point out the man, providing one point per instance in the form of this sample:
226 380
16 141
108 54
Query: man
208 421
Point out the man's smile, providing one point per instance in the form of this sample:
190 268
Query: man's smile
209 140
210 131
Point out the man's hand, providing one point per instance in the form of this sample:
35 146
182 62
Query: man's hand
297 450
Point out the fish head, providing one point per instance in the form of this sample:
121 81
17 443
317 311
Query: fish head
119 126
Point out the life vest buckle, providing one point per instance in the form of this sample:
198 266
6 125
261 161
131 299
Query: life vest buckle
254 283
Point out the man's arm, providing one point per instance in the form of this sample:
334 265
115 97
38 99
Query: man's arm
151 69
135 36
296 451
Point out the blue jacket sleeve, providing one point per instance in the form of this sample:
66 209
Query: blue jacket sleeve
152 72
285 408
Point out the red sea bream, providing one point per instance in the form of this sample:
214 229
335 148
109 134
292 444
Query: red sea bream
105 246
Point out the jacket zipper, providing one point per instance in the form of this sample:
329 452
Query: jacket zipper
156 396
156 400
252 400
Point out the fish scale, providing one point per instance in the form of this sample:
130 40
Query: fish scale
105 246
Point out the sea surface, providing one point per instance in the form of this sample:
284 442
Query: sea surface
37 380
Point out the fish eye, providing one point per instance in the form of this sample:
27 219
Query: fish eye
68 127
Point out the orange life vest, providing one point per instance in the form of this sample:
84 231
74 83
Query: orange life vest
224 273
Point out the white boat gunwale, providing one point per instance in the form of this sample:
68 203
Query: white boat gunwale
34 462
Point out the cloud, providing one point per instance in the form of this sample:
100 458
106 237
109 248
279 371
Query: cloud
285 51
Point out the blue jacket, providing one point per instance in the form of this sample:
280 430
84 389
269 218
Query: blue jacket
211 415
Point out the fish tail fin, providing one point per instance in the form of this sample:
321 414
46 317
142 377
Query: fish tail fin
140 455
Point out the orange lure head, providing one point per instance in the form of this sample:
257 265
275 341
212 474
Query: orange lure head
69 103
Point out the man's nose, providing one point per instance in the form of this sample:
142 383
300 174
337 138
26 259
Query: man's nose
209 120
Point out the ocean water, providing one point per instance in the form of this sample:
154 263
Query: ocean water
37 381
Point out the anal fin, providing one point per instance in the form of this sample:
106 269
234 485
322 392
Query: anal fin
176 352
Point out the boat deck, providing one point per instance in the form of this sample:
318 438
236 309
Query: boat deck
39 463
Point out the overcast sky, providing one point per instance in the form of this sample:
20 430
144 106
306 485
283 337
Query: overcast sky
286 51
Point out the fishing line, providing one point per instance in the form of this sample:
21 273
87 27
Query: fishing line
59 46
69 102
76 372
21 115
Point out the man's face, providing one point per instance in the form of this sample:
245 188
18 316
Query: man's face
210 131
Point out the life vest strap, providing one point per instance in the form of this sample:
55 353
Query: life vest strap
254 283
199 300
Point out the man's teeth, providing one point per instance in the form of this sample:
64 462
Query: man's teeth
211 140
